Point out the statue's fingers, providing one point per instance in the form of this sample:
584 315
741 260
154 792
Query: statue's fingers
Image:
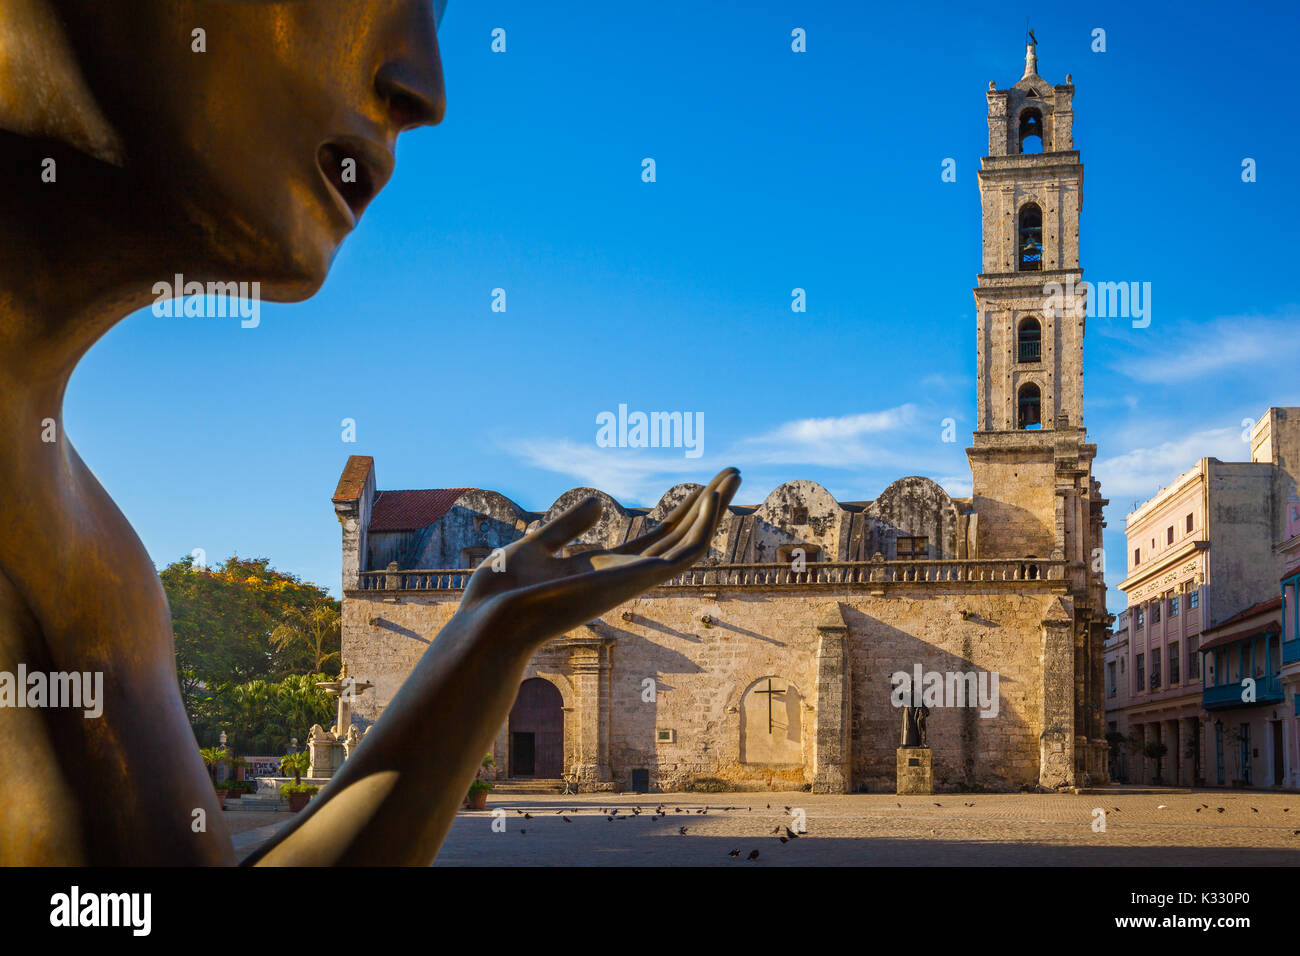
696 541
677 522
569 525
729 478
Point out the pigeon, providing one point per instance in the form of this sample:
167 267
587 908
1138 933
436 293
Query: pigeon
968 804
1286 809
769 806
938 804
733 853
1294 832
610 819
784 839
614 812
1220 809
654 818
1253 810
566 819
791 834
787 809
528 816
776 832
682 830
522 832
1198 809
753 854
1205 806
900 804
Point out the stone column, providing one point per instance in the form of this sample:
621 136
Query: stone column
1056 745
832 748
589 663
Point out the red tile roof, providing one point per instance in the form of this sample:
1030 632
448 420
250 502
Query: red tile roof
353 480
1272 604
1258 630
409 510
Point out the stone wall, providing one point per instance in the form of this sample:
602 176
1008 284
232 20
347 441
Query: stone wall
706 673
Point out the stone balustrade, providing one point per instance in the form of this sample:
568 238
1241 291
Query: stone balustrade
867 574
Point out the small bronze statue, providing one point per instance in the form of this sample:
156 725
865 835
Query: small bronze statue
139 140
914 724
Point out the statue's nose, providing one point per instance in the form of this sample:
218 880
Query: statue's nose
410 80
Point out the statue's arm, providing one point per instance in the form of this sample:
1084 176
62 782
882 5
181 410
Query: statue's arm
394 799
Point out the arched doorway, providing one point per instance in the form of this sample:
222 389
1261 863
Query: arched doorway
537 730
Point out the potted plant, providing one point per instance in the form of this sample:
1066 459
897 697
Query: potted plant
479 789
295 765
298 794
1156 751
223 790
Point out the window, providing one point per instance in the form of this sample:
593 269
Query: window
1155 669
1173 663
1030 403
1030 341
1121 665
1137 557
1155 611
1173 605
1029 250
473 557
1193 658
799 516
913 549
1140 618
1110 679
1140 672
785 554
1031 130
1189 524
1194 599
1169 535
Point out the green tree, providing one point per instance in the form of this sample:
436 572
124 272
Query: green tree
311 633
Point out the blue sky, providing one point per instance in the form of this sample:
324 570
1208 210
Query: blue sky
775 170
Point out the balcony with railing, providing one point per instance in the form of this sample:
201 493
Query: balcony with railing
1031 351
870 575
1268 690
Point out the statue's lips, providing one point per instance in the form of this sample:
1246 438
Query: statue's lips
356 169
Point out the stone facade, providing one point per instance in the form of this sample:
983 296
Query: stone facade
772 663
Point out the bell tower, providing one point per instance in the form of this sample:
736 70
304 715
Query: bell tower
1032 490
1029 329
1031 191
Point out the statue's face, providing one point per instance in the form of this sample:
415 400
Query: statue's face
269 132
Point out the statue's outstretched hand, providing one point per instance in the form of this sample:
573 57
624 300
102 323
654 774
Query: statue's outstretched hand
530 595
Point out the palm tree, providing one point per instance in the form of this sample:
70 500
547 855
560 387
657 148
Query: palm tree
311 630
296 764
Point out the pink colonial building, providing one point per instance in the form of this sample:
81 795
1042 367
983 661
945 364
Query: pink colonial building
1289 551
1204 559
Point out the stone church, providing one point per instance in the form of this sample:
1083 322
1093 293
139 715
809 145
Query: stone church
772 663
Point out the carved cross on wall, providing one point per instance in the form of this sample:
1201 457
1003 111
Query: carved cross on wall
770 694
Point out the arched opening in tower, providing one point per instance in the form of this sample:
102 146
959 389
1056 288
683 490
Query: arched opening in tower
1029 402
1029 255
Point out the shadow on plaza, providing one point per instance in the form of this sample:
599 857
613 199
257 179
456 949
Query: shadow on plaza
594 841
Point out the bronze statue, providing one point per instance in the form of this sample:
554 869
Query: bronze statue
914 725
141 139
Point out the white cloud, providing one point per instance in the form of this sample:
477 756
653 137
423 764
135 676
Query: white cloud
847 441
1141 472
631 476
898 440
1203 349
